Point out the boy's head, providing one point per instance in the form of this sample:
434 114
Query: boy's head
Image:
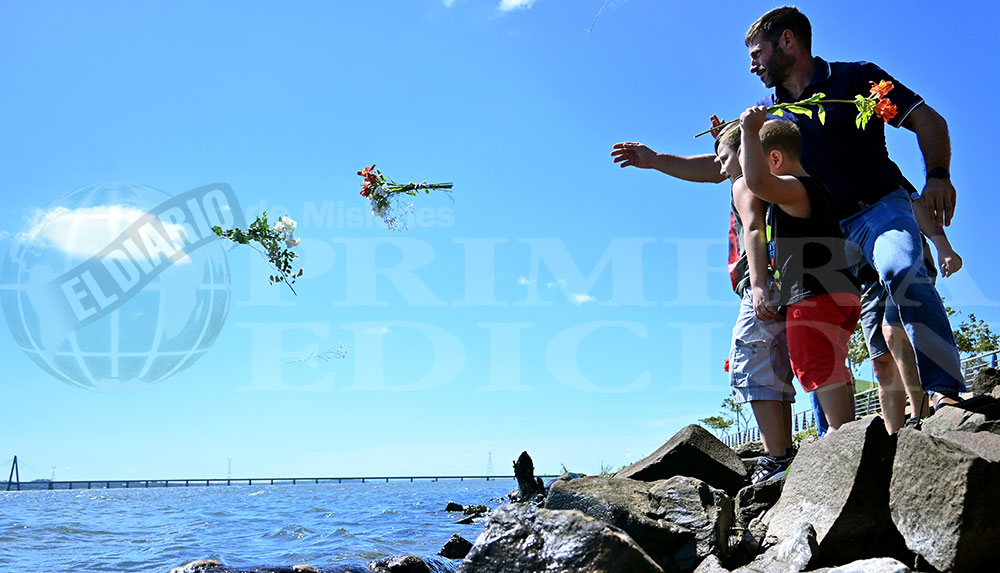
727 150
782 146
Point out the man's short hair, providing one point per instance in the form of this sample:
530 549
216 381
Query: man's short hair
771 25
730 138
781 135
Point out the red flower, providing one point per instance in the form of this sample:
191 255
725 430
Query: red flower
366 171
881 88
726 367
885 109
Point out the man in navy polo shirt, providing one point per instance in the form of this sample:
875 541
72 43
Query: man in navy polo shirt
869 189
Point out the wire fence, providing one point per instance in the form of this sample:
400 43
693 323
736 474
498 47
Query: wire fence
865 403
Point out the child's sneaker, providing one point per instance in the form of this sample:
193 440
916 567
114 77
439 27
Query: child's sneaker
770 467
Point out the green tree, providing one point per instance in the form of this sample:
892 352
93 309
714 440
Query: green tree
738 413
972 336
719 424
857 349
732 414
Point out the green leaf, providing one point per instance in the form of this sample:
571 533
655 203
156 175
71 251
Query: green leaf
217 230
800 110
821 114
778 112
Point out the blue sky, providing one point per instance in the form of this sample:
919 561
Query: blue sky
558 304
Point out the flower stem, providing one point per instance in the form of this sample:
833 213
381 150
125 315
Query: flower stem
774 108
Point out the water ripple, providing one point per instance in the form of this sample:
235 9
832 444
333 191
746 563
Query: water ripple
155 529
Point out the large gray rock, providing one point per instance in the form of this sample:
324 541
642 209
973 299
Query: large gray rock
875 565
697 506
711 564
678 521
840 485
985 381
748 534
522 537
794 553
944 497
692 452
400 564
529 487
457 547
755 499
978 414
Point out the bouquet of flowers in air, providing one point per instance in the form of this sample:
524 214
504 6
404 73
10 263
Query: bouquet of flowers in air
276 242
874 103
384 194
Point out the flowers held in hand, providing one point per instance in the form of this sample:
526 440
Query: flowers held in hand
875 103
383 193
276 242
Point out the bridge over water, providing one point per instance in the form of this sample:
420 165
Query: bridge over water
215 482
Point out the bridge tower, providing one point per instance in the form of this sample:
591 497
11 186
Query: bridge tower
14 472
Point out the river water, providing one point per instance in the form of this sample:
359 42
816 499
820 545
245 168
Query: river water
242 526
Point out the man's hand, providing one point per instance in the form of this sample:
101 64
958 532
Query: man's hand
753 119
939 199
762 304
633 153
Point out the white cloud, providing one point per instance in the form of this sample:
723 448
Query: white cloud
448 3
574 297
508 5
84 232
525 281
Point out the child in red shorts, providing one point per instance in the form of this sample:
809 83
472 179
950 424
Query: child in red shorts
816 289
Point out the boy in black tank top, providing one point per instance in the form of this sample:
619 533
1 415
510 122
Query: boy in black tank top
816 289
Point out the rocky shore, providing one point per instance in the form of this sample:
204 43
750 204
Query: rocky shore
856 501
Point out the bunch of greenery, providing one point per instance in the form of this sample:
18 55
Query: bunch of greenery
276 243
973 336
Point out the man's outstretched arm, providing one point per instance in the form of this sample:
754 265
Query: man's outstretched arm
932 136
697 168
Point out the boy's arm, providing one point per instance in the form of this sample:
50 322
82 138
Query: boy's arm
752 213
697 168
786 192
949 262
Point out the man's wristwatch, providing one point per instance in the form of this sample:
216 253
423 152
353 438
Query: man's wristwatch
938 173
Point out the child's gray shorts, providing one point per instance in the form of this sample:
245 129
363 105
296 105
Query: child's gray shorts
759 368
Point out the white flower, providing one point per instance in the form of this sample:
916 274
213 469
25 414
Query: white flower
284 224
292 242
379 210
